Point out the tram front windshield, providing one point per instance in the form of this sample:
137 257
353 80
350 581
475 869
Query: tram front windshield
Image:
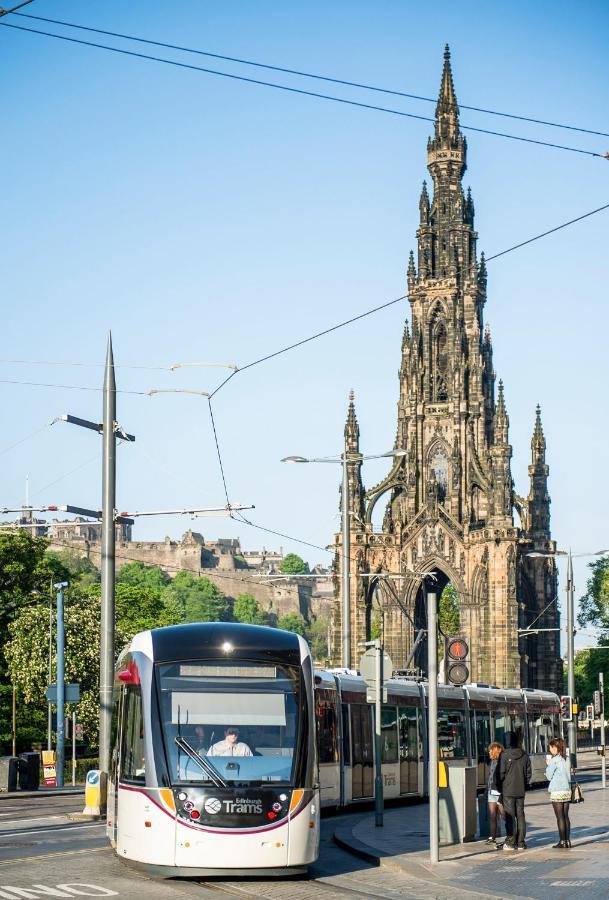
227 723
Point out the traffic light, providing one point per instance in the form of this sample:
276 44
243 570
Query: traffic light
597 703
566 708
456 660
589 712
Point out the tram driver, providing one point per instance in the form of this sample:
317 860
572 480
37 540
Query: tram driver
230 746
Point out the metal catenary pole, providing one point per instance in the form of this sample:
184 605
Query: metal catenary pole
601 687
49 704
60 761
106 671
432 707
378 770
572 724
346 570
73 748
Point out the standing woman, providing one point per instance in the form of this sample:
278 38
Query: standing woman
494 791
558 773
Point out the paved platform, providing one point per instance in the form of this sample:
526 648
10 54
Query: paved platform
476 870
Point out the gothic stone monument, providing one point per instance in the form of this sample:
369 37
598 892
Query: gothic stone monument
450 499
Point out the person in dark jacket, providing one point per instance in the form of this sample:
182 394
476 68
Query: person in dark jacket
514 777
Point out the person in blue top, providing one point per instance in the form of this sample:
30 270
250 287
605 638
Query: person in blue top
558 773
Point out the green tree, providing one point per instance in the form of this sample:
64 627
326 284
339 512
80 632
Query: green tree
23 568
588 663
79 567
376 625
197 599
137 609
293 621
594 605
317 635
153 578
292 564
246 609
448 614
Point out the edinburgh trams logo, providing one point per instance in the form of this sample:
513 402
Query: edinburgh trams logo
240 806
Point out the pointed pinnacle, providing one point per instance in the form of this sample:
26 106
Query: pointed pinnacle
447 100
538 435
109 379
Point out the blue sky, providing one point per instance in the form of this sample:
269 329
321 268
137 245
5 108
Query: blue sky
202 218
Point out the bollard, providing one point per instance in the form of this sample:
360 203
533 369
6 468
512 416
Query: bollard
95 793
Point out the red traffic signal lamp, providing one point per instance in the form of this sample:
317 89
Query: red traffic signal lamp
456 660
566 708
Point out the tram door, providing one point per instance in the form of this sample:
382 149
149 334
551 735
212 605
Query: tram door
409 750
362 775
482 723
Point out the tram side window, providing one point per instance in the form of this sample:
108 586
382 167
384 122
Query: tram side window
115 731
483 735
132 755
518 729
452 733
389 734
501 727
346 736
361 726
327 732
541 732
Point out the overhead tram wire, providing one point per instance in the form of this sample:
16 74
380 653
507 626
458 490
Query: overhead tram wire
295 90
7 12
53 362
550 231
302 74
71 387
318 334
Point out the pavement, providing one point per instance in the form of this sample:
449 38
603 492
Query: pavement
475 870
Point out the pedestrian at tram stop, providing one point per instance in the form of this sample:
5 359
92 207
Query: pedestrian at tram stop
514 776
494 799
558 773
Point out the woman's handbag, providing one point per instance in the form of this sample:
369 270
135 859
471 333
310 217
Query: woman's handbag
576 793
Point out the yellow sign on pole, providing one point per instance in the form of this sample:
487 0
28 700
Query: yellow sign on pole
49 770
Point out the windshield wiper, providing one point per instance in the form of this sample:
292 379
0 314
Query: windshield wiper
204 764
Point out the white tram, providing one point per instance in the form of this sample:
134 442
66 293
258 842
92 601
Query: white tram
469 718
186 796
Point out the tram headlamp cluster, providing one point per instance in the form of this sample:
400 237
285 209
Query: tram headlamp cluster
227 647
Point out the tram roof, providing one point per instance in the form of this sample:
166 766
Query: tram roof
211 638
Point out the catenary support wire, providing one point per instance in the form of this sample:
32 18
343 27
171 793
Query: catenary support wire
293 90
302 74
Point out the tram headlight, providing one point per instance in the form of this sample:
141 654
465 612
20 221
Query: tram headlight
227 647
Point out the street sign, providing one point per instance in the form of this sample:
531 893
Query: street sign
71 693
79 731
367 667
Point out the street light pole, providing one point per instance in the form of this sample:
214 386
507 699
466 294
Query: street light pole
49 706
108 560
61 677
432 723
572 724
346 568
344 460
